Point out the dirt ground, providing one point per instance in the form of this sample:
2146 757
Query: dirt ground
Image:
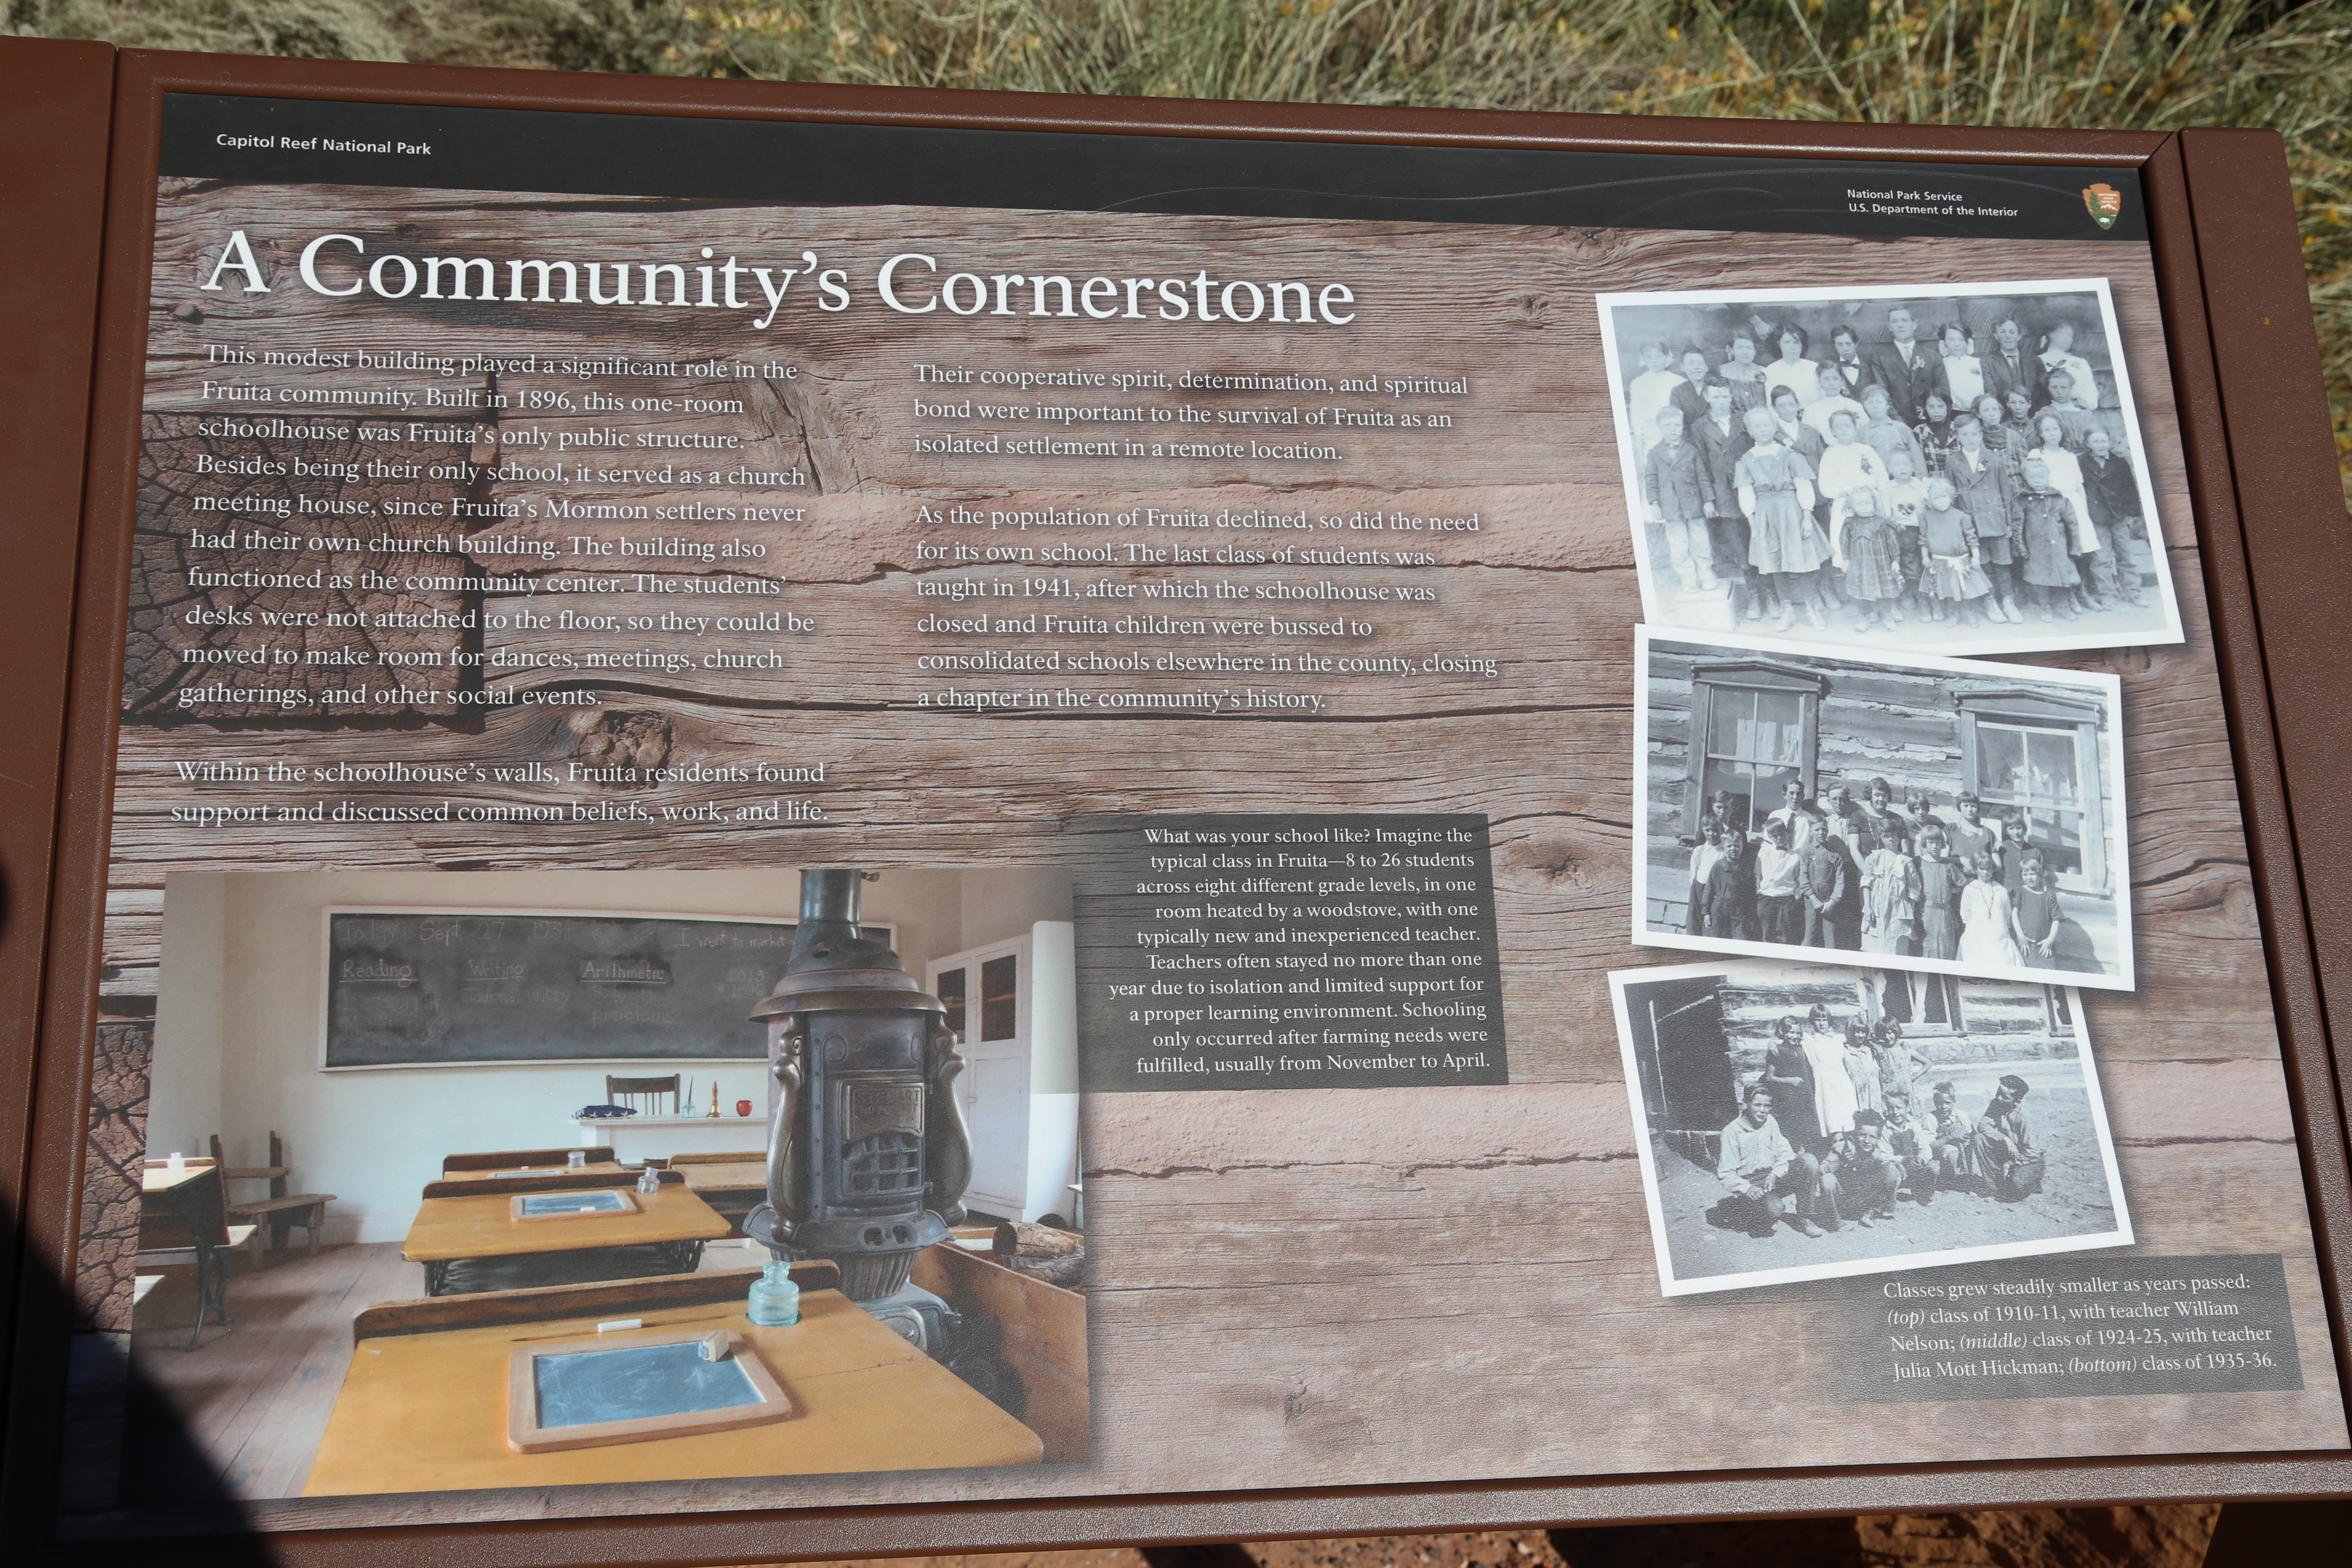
2165 1537
2074 1202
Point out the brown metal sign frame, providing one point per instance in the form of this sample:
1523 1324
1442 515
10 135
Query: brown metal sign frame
84 124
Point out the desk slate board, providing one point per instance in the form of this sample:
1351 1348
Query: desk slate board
533 1206
577 1393
423 988
636 1382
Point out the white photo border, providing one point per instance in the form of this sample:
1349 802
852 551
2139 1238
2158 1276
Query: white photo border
1669 1285
2109 688
1654 605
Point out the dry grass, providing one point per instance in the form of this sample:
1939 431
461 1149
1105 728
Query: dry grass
2150 64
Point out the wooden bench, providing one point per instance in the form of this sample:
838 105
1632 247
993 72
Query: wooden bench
434 1314
281 1211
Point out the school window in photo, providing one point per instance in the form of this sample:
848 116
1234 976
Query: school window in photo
1759 719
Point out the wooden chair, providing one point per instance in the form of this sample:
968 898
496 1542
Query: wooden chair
516 1159
629 1090
281 1211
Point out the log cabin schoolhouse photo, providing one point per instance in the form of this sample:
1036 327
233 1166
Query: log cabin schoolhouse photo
1871 746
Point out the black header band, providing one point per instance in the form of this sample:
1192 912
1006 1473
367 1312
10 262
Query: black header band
313 141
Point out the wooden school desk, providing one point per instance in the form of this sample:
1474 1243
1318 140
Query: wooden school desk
449 1230
157 1180
485 1161
733 1187
708 1176
426 1411
193 1199
735 1183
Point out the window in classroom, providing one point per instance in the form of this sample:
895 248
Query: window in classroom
1924 1004
1757 723
2034 762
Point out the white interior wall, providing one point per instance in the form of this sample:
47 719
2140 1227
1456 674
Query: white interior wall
1003 903
184 1089
238 1010
1053 1069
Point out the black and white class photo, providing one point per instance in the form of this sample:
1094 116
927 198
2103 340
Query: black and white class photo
1943 816
1807 1122
1955 471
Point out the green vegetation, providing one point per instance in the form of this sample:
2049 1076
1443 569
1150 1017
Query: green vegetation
2150 64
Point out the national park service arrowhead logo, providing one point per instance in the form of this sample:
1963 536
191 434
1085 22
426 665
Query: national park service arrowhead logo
2105 203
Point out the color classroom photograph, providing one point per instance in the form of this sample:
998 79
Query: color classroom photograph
469 1180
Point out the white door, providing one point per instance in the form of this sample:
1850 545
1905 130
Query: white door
987 994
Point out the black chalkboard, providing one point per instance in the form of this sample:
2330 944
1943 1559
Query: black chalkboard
441 988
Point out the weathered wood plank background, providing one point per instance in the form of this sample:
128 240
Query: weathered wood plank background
1337 1287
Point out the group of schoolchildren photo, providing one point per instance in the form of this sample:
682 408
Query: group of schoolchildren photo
1961 471
1829 1133
1878 877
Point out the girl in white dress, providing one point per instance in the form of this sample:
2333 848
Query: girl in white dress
2058 354
1890 896
1834 1102
1986 942
1848 464
2049 438
1792 369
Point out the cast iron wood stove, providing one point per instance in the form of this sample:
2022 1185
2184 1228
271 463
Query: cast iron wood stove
868 1155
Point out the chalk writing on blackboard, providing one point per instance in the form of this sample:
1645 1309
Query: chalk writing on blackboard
444 988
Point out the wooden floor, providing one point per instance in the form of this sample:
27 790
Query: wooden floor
255 1395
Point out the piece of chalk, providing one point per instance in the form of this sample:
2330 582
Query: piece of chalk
716 1344
621 1323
